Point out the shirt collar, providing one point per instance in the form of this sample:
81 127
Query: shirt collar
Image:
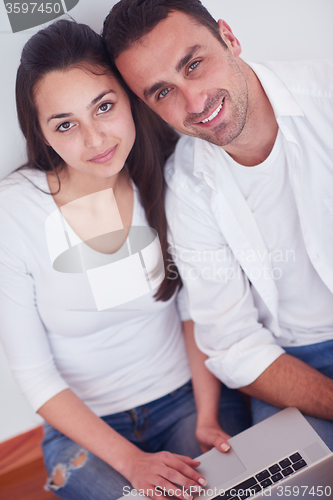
282 101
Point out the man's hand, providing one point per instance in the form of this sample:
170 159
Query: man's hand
171 473
212 435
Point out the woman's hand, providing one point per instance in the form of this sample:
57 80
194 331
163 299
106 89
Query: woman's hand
167 472
212 435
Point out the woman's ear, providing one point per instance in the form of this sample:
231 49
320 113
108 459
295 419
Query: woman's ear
229 38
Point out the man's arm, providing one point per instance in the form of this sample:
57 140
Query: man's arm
290 382
242 352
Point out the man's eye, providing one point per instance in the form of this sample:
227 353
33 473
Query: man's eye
193 66
104 107
63 127
163 93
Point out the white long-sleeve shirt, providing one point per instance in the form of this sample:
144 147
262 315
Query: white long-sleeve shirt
221 244
54 336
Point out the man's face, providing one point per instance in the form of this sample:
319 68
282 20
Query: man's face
189 78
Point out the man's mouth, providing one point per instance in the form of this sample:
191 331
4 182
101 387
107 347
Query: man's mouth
214 114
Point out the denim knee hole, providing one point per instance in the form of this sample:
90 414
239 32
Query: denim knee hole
61 472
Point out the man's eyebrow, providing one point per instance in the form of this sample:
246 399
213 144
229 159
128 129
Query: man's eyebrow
151 91
93 102
148 92
187 57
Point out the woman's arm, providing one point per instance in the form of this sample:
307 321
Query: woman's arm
145 471
28 351
207 393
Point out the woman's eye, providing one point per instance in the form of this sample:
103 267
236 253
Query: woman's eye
65 126
104 108
163 93
193 66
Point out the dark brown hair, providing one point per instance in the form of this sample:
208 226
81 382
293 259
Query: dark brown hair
66 44
130 20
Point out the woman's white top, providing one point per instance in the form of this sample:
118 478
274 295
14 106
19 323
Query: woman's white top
55 333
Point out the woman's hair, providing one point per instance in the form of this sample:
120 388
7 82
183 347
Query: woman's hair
66 44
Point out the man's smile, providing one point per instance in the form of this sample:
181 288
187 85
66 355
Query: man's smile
214 114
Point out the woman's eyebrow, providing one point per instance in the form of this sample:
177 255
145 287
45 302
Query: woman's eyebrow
61 115
99 97
93 102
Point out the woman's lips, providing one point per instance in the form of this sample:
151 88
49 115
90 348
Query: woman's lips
105 156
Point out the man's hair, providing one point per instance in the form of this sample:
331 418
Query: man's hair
130 20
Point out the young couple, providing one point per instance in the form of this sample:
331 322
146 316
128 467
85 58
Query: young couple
112 380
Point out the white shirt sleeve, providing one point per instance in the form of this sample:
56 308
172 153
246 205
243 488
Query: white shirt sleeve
21 330
183 309
219 294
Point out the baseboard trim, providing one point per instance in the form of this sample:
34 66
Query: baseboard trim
21 450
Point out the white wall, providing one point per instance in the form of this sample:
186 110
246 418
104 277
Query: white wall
267 29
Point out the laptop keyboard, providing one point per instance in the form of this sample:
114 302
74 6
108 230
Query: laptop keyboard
265 478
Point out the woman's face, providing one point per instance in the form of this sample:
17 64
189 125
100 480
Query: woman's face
86 119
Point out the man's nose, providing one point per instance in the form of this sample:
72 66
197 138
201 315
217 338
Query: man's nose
195 99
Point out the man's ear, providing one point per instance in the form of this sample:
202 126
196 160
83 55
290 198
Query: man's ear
229 38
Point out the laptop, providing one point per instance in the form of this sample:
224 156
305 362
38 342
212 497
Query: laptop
277 458
271 458
312 482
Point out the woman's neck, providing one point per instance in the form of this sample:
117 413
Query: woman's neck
75 184
95 208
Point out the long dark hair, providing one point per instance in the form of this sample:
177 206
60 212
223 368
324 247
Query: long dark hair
66 44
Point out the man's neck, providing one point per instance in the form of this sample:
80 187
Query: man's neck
257 139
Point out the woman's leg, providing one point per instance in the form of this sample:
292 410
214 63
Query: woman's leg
76 474
165 424
235 411
169 423
173 423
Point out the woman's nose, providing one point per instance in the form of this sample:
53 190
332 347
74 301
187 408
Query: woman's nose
93 137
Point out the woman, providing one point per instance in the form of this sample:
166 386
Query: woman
88 320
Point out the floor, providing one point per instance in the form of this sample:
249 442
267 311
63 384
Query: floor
25 483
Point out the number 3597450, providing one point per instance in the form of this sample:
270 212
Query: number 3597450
30 8
301 491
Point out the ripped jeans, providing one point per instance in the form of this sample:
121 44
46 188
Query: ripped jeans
165 424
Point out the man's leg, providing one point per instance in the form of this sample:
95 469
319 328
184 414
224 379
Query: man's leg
320 357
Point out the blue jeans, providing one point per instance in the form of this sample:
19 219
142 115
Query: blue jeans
165 424
320 357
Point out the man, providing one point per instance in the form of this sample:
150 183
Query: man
250 204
